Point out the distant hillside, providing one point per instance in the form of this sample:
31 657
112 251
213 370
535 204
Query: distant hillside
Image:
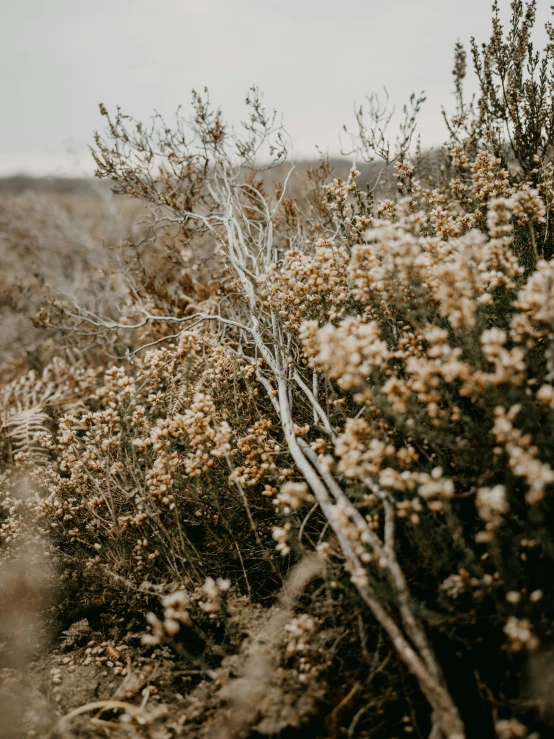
19 183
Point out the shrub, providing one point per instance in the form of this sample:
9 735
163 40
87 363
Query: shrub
371 378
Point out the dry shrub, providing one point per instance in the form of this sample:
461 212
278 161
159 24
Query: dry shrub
315 366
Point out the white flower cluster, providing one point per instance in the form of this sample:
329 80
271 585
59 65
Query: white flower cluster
491 506
291 496
520 635
176 614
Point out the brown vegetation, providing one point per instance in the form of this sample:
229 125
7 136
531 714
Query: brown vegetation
290 443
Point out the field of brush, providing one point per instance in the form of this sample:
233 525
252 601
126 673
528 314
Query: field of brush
276 447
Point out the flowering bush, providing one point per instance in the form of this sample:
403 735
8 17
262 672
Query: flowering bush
368 377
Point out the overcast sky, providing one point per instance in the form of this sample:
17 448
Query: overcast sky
313 59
